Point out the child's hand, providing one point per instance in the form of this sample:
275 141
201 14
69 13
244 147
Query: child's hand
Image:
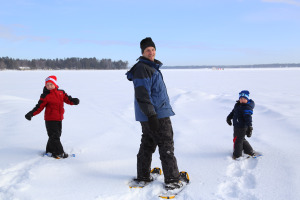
249 131
228 120
29 115
75 101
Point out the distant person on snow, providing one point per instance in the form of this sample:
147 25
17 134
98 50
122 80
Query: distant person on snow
242 122
53 99
153 110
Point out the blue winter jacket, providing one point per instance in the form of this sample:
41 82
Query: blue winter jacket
151 97
242 114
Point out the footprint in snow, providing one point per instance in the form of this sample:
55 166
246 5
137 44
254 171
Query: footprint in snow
239 180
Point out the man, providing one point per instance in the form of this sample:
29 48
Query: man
153 110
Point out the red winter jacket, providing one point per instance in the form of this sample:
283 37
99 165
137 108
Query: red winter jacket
53 100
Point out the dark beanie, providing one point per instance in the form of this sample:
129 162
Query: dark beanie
147 42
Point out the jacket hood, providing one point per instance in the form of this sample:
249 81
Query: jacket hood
156 64
45 90
249 103
129 74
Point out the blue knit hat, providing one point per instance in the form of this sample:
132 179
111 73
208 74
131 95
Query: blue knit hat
244 94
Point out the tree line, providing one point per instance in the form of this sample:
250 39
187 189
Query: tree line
56 64
275 65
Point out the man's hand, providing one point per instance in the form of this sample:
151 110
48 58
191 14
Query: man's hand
153 123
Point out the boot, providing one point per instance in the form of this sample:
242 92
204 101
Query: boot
173 185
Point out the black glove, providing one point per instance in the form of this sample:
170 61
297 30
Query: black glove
29 115
228 120
153 123
75 101
249 131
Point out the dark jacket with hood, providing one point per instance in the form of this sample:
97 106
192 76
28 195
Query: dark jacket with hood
242 114
151 97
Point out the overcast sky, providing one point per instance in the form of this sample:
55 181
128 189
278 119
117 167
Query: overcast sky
186 32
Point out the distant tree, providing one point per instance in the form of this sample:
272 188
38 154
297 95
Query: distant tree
66 63
9 62
2 64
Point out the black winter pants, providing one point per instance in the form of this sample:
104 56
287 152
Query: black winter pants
163 138
240 143
54 145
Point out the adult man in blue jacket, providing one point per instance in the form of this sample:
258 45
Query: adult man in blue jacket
153 110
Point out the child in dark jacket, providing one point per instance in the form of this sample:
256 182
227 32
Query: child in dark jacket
242 122
53 100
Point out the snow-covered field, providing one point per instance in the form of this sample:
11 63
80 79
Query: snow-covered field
105 137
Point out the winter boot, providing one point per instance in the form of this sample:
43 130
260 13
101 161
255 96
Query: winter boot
142 182
63 155
144 179
173 185
255 154
234 157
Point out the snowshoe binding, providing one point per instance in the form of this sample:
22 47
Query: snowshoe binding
142 182
63 155
173 189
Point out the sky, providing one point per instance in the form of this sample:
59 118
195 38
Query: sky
189 32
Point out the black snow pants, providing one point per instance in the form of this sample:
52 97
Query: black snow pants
163 138
240 143
54 145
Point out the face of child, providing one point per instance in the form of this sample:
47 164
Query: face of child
50 86
243 100
149 53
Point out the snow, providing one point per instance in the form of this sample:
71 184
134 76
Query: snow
105 137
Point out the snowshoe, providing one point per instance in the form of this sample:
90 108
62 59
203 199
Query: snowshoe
255 154
142 182
63 155
156 170
173 189
184 177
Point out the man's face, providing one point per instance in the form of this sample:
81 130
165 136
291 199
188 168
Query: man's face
149 53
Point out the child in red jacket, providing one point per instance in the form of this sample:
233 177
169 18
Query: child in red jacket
53 99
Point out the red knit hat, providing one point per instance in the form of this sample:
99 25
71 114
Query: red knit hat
52 79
